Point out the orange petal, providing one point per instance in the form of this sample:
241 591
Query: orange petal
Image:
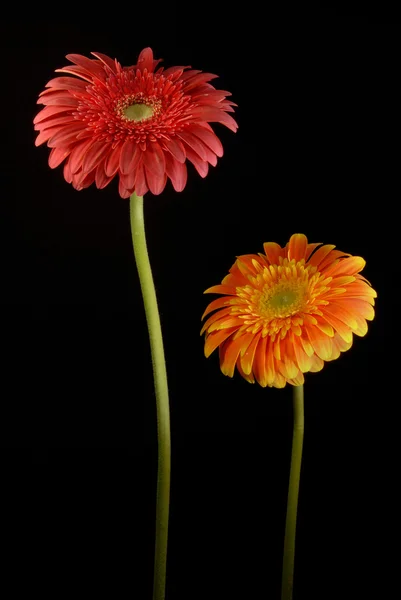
250 342
259 363
245 264
279 380
298 380
325 327
269 363
360 307
361 290
276 348
341 344
306 344
216 317
221 289
331 259
273 251
343 330
215 339
247 376
230 354
297 246
347 266
309 249
321 343
340 312
320 254
317 364
343 280
287 368
226 322
303 360
218 303
362 326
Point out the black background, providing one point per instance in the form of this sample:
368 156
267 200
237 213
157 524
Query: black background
316 152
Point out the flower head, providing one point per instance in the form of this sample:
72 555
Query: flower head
141 123
287 311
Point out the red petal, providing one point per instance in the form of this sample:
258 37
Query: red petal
140 181
207 113
77 155
56 157
200 165
124 193
83 180
128 181
153 159
112 161
193 142
59 99
67 172
208 138
176 148
197 80
155 182
172 70
65 135
188 74
45 135
63 120
50 111
89 64
79 71
177 173
94 155
130 155
210 157
101 178
66 83
145 60
106 60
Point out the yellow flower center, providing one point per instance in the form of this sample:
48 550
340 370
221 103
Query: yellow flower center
282 299
138 112
137 108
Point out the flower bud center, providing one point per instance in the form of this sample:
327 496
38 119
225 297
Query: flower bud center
138 112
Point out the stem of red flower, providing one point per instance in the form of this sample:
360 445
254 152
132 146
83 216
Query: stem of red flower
161 390
293 490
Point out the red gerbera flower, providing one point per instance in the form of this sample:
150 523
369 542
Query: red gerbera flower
134 122
287 311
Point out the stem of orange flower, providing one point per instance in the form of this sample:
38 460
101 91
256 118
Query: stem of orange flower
293 490
161 390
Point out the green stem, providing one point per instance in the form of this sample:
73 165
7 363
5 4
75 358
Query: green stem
161 390
293 489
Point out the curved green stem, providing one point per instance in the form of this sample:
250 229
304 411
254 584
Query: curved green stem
161 390
293 489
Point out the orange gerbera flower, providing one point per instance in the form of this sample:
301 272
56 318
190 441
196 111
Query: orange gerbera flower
136 122
287 311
